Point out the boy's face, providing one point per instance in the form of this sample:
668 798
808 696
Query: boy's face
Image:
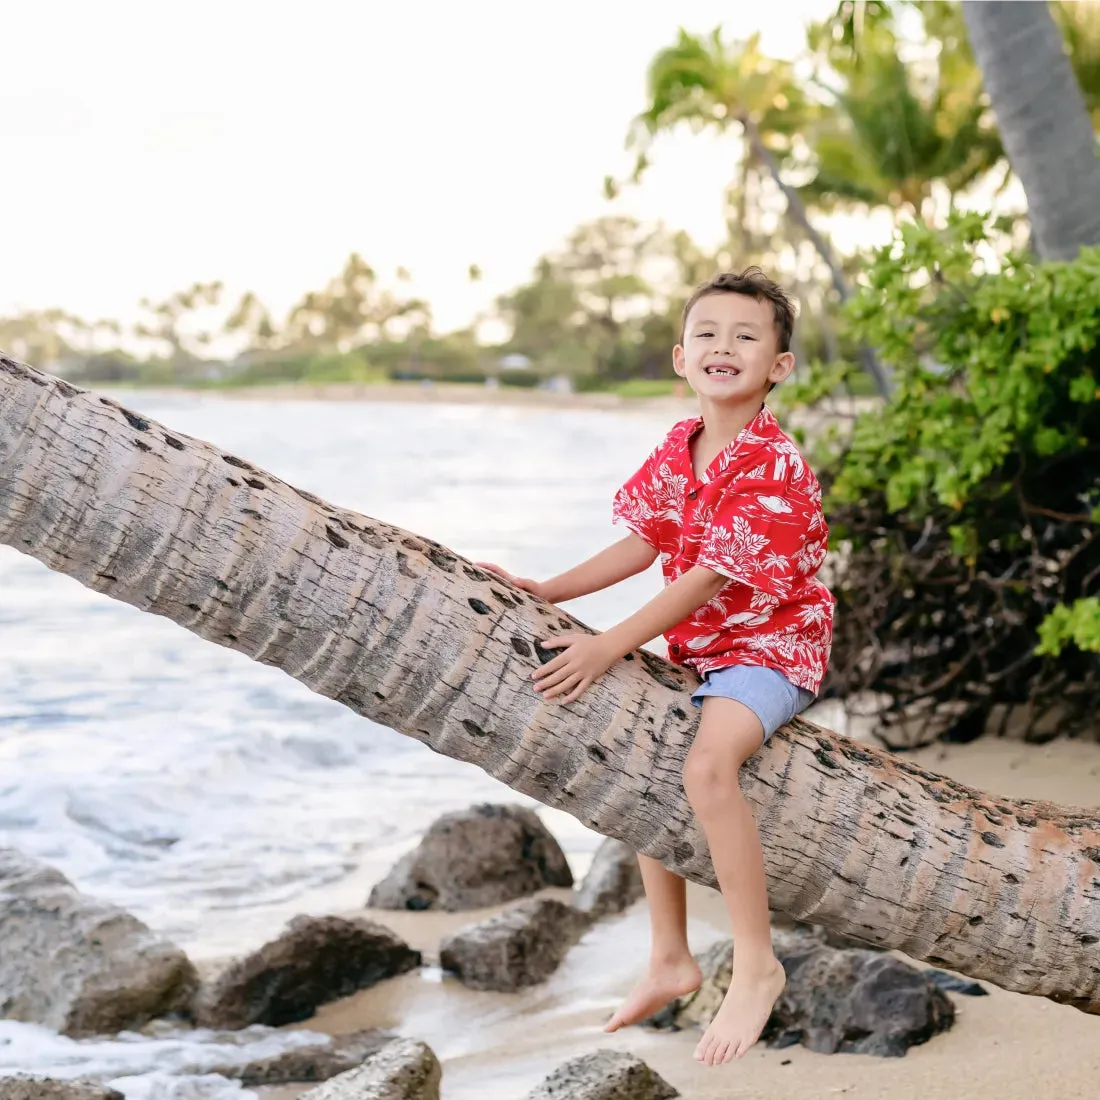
731 351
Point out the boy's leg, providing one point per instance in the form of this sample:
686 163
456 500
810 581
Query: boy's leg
729 733
672 970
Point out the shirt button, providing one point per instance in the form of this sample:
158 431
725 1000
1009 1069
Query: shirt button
693 494
675 648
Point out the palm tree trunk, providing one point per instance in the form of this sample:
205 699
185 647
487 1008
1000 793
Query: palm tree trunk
797 210
407 633
1043 121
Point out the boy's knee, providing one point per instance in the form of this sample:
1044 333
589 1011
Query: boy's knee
709 777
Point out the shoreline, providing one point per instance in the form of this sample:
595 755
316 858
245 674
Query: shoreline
452 393
497 1046
672 405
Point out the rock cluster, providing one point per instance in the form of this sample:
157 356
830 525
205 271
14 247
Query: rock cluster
402 1070
77 964
836 999
604 1075
522 946
486 855
316 960
613 882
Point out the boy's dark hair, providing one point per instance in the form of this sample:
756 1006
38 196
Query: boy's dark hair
753 283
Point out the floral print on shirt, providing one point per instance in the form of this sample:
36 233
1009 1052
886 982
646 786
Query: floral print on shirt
755 517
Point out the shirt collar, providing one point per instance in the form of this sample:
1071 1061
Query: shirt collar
762 428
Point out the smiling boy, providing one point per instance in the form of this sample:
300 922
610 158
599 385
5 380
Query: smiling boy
733 511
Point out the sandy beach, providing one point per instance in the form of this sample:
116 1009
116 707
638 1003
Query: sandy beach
445 393
1005 1046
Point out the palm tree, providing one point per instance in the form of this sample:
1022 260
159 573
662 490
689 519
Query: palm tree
896 128
1043 121
706 83
709 83
411 635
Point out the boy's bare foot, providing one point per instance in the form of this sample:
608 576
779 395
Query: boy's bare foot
662 983
743 1013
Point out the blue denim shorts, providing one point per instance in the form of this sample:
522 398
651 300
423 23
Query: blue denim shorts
767 693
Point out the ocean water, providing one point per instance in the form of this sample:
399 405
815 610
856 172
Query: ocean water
214 797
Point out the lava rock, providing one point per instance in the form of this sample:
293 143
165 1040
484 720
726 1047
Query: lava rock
613 882
43 1088
836 1000
401 1070
326 1059
79 965
316 960
604 1075
522 946
486 855
952 983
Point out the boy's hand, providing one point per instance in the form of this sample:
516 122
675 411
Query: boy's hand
525 583
586 658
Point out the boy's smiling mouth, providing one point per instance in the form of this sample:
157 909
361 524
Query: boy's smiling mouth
731 372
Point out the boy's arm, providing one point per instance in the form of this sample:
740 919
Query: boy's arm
586 657
620 560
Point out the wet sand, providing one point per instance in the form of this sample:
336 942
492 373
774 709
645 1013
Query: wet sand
1005 1046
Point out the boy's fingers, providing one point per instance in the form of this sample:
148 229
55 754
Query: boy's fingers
560 688
577 692
550 667
556 678
560 642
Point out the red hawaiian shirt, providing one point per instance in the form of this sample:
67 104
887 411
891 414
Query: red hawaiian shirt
755 517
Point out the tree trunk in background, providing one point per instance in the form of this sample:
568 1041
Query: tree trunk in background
796 208
407 633
1042 119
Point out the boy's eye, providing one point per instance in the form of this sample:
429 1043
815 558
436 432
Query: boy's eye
704 334
745 336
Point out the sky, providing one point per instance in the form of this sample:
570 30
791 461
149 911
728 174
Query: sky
147 146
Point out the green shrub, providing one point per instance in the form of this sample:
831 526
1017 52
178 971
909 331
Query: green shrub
969 502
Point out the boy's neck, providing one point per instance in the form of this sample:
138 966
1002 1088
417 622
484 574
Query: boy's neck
723 421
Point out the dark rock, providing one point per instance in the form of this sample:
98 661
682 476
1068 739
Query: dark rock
43 1088
847 1001
604 1075
401 1070
522 946
314 1063
486 855
316 960
952 983
613 882
79 965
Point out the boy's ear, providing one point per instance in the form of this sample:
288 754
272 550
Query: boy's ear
679 364
782 368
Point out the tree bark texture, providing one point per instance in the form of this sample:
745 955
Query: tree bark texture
1042 118
411 635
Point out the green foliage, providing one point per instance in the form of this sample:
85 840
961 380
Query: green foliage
1078 623
991 368
969 503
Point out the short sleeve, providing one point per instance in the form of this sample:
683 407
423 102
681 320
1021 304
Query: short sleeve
635 504
767 536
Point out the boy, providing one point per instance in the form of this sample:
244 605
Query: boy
734 512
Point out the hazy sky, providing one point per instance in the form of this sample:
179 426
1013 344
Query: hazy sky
148 145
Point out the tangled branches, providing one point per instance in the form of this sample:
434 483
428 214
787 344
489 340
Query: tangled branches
944 643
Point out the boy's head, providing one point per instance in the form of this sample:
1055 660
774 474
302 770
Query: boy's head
735 336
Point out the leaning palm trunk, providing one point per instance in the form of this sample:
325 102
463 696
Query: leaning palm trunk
1043 121
796 208
407 633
